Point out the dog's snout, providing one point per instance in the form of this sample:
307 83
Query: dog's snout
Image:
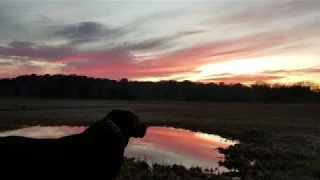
144 130
140 131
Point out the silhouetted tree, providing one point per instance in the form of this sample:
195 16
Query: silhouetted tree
75 86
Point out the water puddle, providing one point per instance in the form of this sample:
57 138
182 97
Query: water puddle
160 145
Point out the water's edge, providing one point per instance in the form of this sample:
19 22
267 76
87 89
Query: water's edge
161 145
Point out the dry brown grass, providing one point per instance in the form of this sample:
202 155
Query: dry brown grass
284 139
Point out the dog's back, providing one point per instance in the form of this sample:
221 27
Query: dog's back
95 153
75 156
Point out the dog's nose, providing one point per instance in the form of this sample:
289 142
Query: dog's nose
143 130
140 131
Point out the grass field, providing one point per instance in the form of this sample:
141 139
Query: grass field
283 140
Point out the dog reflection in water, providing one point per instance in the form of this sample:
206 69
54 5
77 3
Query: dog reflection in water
96 153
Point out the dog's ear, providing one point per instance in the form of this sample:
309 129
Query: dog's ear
128 122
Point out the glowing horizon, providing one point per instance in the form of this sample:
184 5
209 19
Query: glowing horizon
211 41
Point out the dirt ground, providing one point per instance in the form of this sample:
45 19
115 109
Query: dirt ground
278 141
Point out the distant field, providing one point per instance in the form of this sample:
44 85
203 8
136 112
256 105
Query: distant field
282 139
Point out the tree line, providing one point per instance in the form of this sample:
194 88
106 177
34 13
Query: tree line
76 86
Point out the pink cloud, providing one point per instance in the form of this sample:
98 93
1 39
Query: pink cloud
118 63
121 62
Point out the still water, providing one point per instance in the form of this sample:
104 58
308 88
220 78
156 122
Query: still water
160 145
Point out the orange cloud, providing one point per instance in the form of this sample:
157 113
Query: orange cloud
244 78
314 70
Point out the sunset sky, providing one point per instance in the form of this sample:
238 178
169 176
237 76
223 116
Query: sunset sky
207 41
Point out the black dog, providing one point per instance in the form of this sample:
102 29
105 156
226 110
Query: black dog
97 153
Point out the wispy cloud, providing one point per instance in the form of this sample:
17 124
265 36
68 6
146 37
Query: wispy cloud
34 51
88 31
269 13
265 76
121 61
160 41
315 70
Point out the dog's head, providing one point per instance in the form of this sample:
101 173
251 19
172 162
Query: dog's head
128 123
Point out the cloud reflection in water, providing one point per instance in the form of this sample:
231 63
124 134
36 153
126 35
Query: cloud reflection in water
160 145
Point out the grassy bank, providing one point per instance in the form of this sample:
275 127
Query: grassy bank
278 141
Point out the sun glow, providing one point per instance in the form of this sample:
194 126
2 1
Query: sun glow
256 65
240 66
